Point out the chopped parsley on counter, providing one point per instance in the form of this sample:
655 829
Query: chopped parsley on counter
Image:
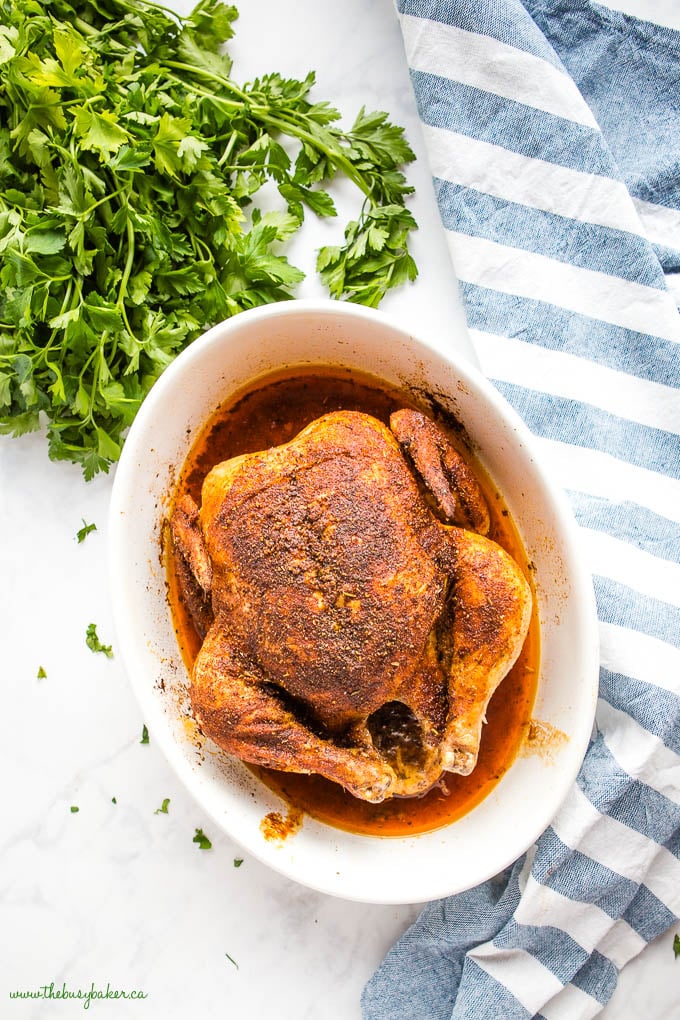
85 530
94 644
202 840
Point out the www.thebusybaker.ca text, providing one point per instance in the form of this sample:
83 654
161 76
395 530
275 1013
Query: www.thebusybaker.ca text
50 992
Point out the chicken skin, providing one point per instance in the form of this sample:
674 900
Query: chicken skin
337 589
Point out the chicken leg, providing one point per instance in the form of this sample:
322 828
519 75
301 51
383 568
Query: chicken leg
490 606
247 718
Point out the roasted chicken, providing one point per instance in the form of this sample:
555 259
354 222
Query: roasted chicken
356 619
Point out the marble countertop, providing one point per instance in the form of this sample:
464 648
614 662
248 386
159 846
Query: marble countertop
117 893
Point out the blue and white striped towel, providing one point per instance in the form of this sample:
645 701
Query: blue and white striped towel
553 131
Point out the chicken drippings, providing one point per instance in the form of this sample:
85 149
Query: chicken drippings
271 414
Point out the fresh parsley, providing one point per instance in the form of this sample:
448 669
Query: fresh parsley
74 809
676 946
231 960
94 644
129 165
163 809
85 531
41 673
238 861
145 735
202 840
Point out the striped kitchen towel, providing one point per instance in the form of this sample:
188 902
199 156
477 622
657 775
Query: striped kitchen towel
553 131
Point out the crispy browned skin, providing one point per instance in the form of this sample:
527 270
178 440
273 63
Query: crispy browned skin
452 483
188 539
245 716
330 582
490 609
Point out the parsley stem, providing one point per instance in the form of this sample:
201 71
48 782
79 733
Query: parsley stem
336 155
197 242
106 198
120 303
287 126
123 311
42 353
96 372
83 102
85 27
86 365
157 7
248 167
228 149
130 231
67 297
220 79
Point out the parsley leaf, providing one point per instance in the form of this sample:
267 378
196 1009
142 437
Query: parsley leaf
85 531
94 644
41 673
130 165
202 840
74 809
145 735
238 861
676 946
163 809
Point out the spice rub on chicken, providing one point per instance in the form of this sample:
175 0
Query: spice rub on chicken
338 591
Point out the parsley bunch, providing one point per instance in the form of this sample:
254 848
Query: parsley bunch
129 160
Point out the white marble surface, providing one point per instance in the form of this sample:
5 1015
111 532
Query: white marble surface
116 893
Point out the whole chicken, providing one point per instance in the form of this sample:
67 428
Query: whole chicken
348 599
